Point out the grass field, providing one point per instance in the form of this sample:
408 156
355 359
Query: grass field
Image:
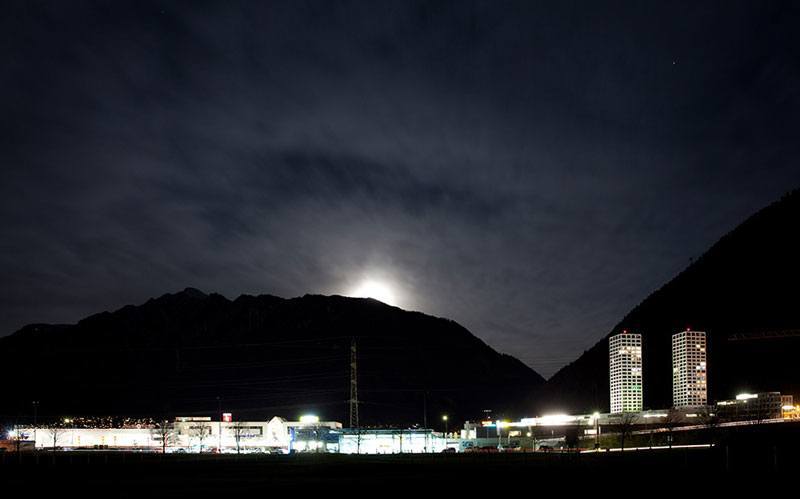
121 474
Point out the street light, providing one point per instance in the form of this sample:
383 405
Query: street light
532 442
596 416
311 420
499 435
445 418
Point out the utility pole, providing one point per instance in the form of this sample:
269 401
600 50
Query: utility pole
219 425
353 385
425 409
35 407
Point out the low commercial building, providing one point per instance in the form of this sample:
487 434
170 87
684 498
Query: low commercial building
751 407
190 434
201 434
389 441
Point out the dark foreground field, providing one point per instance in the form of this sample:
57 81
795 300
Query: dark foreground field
139 475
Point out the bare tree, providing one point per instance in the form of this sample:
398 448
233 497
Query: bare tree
240 432
627 421
164 431
18 437
54 433
200 433
711 421
671 421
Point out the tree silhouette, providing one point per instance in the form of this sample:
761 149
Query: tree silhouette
627 421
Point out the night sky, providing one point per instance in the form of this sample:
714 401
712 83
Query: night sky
532 171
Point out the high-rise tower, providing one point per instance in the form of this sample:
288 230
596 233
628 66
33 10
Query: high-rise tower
625 373
689 369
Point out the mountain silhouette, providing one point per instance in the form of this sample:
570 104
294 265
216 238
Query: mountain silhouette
193 353
743 292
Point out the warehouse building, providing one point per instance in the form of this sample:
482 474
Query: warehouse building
190 434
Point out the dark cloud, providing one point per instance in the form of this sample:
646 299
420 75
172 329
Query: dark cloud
531 171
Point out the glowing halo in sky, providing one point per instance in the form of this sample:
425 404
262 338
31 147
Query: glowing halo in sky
376 290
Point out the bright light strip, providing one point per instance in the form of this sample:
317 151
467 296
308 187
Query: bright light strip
309 419
746 396
556 419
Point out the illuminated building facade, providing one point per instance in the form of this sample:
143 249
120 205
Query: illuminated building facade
389 441
689 369
788 407
195 434
751 407
625 372
201 434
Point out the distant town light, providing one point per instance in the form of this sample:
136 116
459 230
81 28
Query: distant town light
746 396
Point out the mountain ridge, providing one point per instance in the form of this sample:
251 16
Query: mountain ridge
160 353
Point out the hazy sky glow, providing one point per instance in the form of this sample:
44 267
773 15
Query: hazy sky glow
380 291
531 171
